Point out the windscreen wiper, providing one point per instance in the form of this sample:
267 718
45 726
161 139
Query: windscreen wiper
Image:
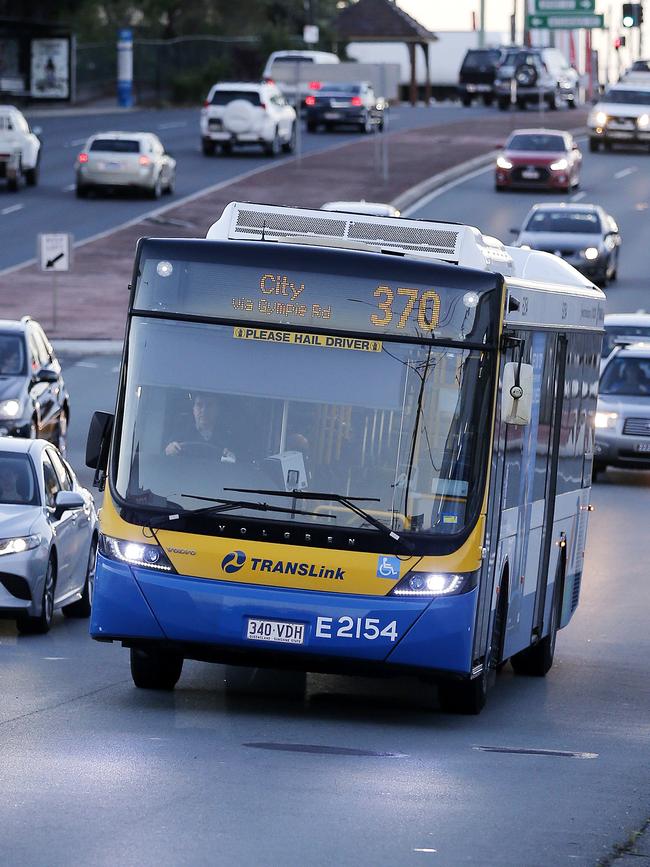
348 502
230 505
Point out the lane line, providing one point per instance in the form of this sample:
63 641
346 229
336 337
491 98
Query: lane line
579 196
625 172
69 188
76 142
174 124
424 201
11 209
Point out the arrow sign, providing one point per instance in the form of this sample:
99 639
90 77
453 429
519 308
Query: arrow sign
53 252
565 5
566 22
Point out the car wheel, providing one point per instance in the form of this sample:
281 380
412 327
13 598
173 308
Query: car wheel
171 184
61 439
499 188
289 146
503 103
33 429
466 101
272 148
31 176
594 145
81 191
155 669
13 184
551 101
39 625
572 103
367 125
83 606
521 104
312 126
156 191
614 275
207 147
488 99
596 469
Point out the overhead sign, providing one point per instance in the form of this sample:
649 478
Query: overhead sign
565 5
54 252
566 22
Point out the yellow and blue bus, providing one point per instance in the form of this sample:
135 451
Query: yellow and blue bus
346 443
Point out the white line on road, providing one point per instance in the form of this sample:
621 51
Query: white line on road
579 196
69 188
75 142
86 364
424 201
173 124
11 209
625 172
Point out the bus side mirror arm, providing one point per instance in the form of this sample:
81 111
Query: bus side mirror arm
98 444
517 393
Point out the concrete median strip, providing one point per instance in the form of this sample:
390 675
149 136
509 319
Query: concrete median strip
93 297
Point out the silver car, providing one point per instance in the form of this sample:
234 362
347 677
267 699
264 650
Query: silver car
623 412
125 160
48 536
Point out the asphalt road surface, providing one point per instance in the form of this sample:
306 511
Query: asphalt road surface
53 207
553 772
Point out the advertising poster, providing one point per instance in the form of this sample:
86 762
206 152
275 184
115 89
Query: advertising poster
50 69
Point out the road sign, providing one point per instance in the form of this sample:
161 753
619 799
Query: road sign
310 34
54 252
570 6
565 22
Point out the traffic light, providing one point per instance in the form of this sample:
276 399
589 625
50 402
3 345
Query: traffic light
632 14
619 42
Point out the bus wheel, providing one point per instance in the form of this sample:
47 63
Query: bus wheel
465 697
536 661
155 669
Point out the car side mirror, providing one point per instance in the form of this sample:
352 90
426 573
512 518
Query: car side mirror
517 393
67 501
514 231
46 375
97 445
37 130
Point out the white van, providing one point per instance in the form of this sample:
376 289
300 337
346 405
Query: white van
287 59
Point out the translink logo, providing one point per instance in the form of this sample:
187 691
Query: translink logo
234 561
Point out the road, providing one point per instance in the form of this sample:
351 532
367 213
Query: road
362 772
53 207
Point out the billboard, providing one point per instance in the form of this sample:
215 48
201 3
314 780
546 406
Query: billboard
50 68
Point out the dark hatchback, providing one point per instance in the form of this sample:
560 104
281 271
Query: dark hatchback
477 74
333 105
34 401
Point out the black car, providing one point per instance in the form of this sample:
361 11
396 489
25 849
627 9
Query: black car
345 104
34 401
477 74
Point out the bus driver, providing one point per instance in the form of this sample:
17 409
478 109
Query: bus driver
205 430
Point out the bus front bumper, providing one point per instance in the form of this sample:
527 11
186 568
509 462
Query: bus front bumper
208 619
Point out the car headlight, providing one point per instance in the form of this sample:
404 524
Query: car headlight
591 253
19 544
503 163
643 121
434 584
135 553
560 165
606 419
10 408
601 118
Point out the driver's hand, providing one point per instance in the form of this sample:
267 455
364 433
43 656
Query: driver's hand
173 448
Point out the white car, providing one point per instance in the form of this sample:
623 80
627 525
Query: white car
621 116
20 149
622 328
244 113
48 536
372 209
125 160
290 59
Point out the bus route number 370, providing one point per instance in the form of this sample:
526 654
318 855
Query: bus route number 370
355 627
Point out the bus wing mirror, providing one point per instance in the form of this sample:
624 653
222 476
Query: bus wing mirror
97 445
517 393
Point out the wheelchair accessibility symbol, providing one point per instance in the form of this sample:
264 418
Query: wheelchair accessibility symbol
388 567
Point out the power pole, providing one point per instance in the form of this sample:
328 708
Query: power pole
481 25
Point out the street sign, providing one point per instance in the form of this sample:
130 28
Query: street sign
566 22
310 34
565 5
54 252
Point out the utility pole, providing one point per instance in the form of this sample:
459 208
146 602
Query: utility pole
481 25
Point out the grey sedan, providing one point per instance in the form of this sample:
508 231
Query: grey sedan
125 160
48 536
584 235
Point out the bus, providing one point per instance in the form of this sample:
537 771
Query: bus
347 443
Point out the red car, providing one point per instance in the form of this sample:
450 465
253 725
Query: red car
547 158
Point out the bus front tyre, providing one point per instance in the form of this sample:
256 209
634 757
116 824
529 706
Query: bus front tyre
155 669
536 661
465 697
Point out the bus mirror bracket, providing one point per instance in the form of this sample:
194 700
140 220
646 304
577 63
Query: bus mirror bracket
97 446
517 393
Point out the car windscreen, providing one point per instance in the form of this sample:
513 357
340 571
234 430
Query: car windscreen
17 480
116 145
223 97
640 66
536 142
12 355
477 59
293 58
623 334
626 376
628 97
582 222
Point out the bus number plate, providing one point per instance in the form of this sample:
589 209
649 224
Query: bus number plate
282 631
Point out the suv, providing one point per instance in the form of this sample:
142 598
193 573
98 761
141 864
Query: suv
247 113
621 116
534 74
20 149
477 74
34 401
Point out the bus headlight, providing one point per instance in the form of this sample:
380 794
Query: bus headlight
135 553
434 584
606 419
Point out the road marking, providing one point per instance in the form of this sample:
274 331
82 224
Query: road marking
430 851
76 142
11 209
69 188
54 658
174 124
641 206
537 752
86 364
579 196
625 172
424 201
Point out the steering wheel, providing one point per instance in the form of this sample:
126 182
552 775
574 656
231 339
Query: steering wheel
200 449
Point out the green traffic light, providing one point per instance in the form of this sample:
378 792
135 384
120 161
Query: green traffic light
628 21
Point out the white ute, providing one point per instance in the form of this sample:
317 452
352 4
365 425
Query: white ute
19 149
